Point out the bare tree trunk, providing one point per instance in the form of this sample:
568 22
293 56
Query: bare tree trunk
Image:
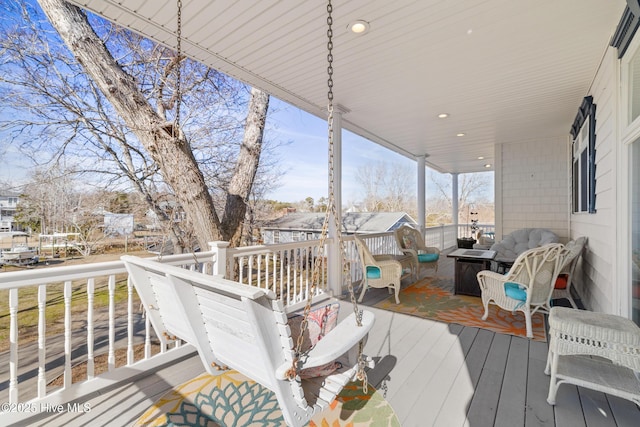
246 167
173 154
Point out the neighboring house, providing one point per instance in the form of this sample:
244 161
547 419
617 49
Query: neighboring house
308 226
8 207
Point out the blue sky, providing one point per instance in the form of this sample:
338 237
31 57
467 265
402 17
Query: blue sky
303 156
305 159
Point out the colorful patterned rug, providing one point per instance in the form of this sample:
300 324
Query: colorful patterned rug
232 400
432 299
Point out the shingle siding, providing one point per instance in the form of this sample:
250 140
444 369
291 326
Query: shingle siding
594 280
534 185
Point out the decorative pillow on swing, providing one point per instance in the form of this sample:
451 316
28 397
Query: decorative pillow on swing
320 321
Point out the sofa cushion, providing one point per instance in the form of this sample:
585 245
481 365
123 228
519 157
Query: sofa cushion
522 240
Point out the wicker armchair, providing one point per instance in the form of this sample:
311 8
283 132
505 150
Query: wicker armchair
528 285
410 242
565 277
379 271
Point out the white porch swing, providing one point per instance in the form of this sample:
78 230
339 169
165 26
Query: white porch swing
244 328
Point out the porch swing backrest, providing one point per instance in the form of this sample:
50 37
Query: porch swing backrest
244 328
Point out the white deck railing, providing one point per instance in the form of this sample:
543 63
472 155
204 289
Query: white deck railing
87 331
28 368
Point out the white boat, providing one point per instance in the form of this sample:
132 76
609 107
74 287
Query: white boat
19 253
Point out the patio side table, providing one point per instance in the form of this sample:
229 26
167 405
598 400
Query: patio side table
598 351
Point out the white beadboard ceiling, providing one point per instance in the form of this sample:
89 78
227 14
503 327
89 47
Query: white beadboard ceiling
505 70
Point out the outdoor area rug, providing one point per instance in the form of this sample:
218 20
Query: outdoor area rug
432 298
231 399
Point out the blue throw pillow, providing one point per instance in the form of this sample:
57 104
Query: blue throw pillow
515 291
428 257
373 272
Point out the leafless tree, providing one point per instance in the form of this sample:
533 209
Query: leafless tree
388 187
140 88
472 189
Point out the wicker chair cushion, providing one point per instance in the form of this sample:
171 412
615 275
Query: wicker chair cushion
515 291
561 281
373 272
428 257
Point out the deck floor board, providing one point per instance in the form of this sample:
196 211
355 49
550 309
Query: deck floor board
484 404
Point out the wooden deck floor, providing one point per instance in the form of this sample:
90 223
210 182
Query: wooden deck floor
433 374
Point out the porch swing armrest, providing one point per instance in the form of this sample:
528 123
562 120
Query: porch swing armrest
337 342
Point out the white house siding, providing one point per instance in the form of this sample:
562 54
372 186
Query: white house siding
533 190
595 276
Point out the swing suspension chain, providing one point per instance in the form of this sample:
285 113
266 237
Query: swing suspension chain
331 211
177 132
332 208
176 127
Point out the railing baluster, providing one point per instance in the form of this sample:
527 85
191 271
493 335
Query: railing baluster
42 351
67 334
111 358
130 355
147 336
259 267
13 346
289 291
273 272
281 274
250 270
241 269
90 328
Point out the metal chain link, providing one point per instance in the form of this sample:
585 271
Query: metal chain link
176 127
331 211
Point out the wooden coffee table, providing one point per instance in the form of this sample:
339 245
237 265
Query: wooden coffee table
468 263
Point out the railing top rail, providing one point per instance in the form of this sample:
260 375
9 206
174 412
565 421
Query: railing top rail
38 276
267 249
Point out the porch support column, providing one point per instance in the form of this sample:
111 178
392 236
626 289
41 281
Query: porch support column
422 212
454 201
334 255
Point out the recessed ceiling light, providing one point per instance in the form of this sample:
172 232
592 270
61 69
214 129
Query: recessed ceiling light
487 165
460 134
481 158
358 27
443 115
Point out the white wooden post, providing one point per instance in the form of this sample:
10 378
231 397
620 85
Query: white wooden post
111 352
13 345
220 264
67 334
90 328
421 194
42 352
334 255
454 201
